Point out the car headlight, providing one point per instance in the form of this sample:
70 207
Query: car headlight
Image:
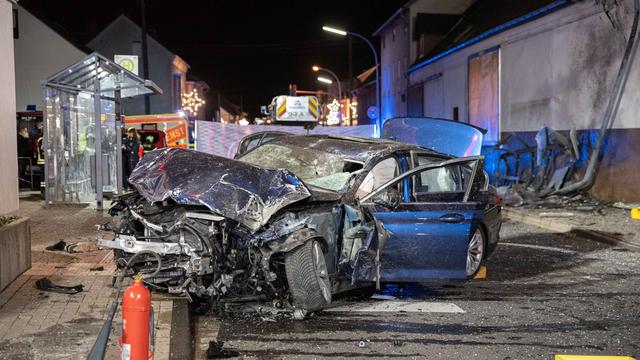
253 214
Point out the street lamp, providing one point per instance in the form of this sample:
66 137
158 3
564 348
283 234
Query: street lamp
325 80
375 57
317 68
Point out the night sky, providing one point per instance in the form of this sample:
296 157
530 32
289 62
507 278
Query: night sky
253 49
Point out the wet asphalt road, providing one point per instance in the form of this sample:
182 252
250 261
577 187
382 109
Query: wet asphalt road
545 294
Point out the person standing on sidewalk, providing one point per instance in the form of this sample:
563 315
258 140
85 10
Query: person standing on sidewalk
132 153
23 154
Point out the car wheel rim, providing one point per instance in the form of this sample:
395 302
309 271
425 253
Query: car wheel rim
474 253
321 271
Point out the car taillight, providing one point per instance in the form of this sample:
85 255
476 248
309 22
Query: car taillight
496 199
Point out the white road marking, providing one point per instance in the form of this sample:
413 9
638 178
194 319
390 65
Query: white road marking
539 247
399 306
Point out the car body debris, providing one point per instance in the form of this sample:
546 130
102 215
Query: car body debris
73 247
45 284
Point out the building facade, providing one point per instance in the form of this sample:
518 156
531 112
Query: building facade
8 153
166 69
553 65
405 37
35 43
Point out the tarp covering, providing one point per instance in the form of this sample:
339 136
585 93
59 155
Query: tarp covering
230 188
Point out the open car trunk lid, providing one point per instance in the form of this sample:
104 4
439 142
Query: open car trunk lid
230 188
444 136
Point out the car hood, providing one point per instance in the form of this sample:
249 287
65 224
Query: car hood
236 190
444 136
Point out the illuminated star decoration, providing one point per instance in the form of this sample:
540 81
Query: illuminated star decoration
333 118
191 102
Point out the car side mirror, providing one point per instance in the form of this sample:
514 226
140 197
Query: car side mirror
389 198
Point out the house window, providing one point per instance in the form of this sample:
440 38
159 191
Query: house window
484 93
456 113
393 34
177 93
16 27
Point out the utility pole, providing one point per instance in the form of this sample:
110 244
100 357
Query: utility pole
350 63
219 106
145 57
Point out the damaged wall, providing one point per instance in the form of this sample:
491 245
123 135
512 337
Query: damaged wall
558 71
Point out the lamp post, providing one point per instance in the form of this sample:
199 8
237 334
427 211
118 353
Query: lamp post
375 57
317 68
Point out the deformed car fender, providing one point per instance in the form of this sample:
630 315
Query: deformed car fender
291 242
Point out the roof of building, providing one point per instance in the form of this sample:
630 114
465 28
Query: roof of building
434 24
484 19
117 23
390 21
55 27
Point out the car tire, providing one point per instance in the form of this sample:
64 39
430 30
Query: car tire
308 277
476 250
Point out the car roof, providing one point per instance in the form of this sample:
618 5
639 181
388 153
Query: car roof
349 147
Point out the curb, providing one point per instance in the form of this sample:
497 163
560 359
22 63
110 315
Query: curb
564 228
181 343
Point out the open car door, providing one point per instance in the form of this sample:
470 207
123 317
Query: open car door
428 234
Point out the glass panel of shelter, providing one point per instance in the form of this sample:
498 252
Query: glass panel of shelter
70 125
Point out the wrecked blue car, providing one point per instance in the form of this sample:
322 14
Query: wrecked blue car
301 218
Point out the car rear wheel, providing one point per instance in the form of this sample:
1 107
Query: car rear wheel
308 276
475 253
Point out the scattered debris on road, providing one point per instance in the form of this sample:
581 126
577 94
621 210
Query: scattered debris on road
59 246
73 247
557 214
383 297
45 284
217 351
625 206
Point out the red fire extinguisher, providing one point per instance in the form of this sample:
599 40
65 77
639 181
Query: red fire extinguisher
137 322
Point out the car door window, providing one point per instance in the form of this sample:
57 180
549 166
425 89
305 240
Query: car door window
382 172
449 182
440 180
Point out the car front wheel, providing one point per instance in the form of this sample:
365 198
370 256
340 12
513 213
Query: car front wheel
475 253
308 276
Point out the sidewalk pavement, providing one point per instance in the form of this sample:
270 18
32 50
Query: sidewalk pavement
610 225
43 325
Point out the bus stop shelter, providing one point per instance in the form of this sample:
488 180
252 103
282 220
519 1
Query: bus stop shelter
83 129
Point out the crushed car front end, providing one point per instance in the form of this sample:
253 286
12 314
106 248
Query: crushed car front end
210 221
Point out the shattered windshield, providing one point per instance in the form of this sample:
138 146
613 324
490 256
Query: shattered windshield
314 167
